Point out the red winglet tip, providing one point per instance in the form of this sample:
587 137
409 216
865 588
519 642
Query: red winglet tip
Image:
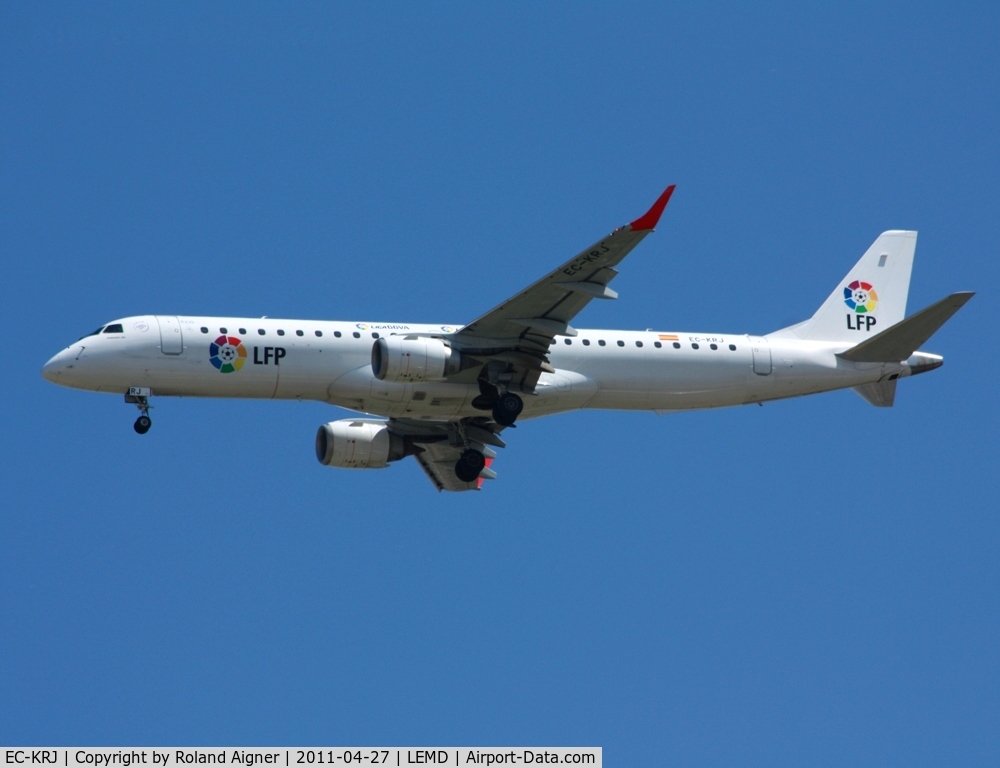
651 217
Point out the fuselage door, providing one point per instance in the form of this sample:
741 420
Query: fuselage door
761 355
171 341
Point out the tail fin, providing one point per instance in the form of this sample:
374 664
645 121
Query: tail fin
870 298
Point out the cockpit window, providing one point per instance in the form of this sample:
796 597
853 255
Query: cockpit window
92 333
114 328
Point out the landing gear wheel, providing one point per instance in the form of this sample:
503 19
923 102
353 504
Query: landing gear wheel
507 409
142 424
468 467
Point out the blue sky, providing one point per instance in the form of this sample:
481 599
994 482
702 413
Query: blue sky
814 581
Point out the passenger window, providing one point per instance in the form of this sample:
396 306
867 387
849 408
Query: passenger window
243 331
638 343
601 342
299 333
586 342
116 328
621 343
223 330
657 344
281 332
357 335
694 346
260 331
677 345
567 341
337 334
714 346
320 333
374 335
204 329
732 347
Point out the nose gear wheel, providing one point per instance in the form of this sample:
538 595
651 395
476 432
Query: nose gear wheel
143 423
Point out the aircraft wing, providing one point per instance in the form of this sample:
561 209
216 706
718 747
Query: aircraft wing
512 341
528 321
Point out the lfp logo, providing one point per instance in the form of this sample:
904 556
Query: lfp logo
860 297
227 353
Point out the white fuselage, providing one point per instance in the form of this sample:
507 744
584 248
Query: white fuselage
331 362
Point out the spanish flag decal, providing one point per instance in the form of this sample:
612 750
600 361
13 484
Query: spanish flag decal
668 337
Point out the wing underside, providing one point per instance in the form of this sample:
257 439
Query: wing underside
441 444
506 350
438 463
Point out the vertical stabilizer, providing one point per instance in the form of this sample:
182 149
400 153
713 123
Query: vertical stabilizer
870 298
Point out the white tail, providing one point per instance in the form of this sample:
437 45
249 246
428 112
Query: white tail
870 298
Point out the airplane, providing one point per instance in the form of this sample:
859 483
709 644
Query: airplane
445 393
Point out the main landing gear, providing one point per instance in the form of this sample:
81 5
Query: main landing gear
506 405
471 463
139 396
507 409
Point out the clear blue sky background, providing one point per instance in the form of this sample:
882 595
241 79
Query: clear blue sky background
811 582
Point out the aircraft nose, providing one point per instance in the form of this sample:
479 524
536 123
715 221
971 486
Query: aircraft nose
56 366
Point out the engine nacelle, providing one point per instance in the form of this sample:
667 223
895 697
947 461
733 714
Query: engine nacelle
359 444
413 358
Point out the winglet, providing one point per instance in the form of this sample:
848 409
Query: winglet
650 218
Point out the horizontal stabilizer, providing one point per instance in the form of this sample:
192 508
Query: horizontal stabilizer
905 337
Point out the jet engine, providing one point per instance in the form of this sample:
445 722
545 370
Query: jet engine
359 444
413 358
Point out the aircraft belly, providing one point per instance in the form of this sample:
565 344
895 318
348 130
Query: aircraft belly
423 400
358 389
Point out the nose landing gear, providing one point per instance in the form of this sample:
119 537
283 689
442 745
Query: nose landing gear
139 396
